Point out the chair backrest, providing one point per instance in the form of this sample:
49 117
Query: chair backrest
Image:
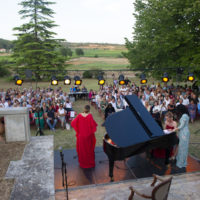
160 191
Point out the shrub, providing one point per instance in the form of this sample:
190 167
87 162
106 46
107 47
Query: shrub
79 52
3 68
120 56
87 74
97 72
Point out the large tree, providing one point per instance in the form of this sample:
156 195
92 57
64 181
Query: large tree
35 47
166 35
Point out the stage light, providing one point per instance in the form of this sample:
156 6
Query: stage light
54 80
18 80
180 70
121 80
143 79
67 80
165 78
190 77
77 80
101 80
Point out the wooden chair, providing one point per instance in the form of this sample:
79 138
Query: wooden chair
154 191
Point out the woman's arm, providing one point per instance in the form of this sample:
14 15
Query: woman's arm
182 124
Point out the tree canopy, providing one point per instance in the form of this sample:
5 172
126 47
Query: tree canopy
166 36
35 47
79 52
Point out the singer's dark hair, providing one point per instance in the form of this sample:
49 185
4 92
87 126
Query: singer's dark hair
87 109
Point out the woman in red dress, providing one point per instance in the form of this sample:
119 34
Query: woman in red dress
85 127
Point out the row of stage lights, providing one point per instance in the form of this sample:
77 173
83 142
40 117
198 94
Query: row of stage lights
165 78
101 80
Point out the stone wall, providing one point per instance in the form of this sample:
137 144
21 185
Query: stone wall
17 126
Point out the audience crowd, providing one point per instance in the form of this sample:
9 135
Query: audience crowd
48 106
156 99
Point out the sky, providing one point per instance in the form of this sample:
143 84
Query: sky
101 21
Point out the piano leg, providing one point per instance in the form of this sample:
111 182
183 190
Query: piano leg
111 166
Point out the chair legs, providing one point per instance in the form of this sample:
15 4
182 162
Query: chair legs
132 194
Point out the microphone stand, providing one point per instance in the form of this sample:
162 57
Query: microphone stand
64 173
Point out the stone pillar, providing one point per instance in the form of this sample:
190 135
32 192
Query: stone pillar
17 125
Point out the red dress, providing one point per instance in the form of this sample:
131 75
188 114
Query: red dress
85 128
160 153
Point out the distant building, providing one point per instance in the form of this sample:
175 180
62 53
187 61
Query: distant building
2 50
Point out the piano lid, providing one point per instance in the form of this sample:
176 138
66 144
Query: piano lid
133 125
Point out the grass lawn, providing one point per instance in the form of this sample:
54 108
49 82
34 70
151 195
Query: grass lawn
98 65
91 63
194 147
116 53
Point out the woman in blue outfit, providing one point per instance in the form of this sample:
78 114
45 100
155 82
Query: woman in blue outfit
184 136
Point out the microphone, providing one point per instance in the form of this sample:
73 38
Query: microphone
60 148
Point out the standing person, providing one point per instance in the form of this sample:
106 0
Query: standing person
61 115
85 127
171 125
39 119
192 107
184 135
109 110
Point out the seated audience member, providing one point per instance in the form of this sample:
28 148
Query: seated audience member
84 90
156 109
51 118
113 102
68 105
73 89
185 100
77 89
151 101
143 99
147 106
167 99
109 110
163 109
119 105
44 108
31 113
90 95
61 115
171 106
103 103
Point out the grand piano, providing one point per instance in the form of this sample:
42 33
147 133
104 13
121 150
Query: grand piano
132 131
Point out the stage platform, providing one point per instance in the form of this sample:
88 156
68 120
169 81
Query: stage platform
132 168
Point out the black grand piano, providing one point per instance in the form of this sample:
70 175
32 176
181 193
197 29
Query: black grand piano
133 131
